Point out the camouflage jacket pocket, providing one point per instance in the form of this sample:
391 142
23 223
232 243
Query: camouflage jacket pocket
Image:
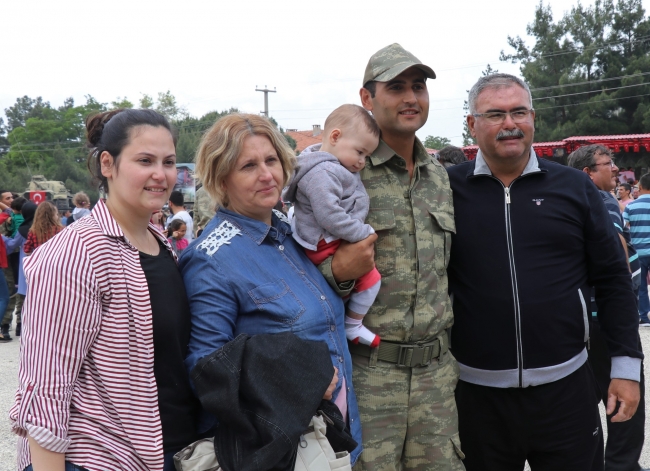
443 227
383 222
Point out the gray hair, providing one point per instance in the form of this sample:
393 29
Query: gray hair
495 81
584 156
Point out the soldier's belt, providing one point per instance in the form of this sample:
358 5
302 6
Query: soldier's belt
404 354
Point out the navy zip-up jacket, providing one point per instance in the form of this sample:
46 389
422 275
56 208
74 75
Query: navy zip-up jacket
523 260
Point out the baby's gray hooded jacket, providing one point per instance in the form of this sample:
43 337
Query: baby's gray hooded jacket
330 202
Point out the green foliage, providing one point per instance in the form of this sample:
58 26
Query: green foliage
41 139
190 131
121 103
590 71
49 141
468 140
146 101
436 142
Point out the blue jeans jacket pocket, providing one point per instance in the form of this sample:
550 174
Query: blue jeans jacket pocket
277 299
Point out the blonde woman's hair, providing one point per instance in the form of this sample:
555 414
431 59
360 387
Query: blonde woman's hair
81 199
222 144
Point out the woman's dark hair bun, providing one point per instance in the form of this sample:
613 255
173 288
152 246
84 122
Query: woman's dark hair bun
95 126
110 132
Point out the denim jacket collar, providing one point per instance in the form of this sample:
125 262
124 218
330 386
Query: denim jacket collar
257 230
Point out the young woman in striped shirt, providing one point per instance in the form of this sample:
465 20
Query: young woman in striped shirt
102 384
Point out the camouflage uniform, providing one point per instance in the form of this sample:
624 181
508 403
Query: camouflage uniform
204 209
408 414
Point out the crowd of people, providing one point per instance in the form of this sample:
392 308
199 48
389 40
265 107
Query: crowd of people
439 313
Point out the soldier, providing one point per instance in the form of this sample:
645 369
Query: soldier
405 387
204 210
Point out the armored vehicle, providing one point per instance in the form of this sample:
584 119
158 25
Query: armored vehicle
39 189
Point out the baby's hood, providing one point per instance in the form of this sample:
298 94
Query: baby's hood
307 160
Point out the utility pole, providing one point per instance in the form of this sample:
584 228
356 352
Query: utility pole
266 98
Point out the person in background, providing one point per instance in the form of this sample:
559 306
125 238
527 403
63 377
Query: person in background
82 205
17 217
45 226
176 236
635 191
204 210
4 288
102 383
637 216
6 197
624 439
64 218
16 245
451 155
176 206
158 220
624 194
15 221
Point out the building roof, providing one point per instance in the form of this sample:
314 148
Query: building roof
305 139
614 137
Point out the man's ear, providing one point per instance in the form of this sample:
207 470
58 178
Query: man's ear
366 99
471 121
334 136
106 164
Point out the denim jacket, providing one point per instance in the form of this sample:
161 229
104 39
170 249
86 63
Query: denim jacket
244 276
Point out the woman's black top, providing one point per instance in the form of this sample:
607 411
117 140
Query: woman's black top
171 334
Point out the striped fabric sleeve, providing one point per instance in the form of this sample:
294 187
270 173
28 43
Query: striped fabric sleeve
61 318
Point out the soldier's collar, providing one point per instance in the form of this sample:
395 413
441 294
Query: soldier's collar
383 153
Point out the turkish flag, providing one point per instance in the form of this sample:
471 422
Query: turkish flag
37 196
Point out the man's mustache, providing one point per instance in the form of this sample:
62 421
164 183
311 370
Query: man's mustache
505 134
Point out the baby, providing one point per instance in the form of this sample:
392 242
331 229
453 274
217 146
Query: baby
331 203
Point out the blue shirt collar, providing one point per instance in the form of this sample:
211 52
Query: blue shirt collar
257 230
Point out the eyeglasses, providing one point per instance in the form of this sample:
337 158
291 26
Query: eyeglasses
498 117
610 164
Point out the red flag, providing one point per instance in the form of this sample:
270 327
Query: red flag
37 196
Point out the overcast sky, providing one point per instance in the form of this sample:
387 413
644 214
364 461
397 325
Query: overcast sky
212 54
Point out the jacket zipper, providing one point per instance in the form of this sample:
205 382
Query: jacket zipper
515 289
513 275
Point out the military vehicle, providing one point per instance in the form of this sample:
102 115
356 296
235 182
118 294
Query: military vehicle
39 189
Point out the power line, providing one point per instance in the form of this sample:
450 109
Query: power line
592 91
590 102
589 82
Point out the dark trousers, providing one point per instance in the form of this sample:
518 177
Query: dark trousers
624 439
555 426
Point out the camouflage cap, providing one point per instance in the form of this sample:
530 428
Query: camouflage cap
389 62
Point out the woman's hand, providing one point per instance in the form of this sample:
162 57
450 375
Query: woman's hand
332 386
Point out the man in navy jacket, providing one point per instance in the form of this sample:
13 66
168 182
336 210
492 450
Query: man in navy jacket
531 238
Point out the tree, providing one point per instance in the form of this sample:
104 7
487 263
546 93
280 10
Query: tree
121 103
468 140
146 101
168 107
588 72
436 142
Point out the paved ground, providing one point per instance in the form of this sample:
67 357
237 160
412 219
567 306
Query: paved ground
8 382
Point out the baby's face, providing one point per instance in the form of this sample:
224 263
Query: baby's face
353 146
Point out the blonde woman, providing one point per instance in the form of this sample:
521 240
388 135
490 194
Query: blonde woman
246 274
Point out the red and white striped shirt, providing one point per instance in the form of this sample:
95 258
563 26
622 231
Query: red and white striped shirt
87 387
